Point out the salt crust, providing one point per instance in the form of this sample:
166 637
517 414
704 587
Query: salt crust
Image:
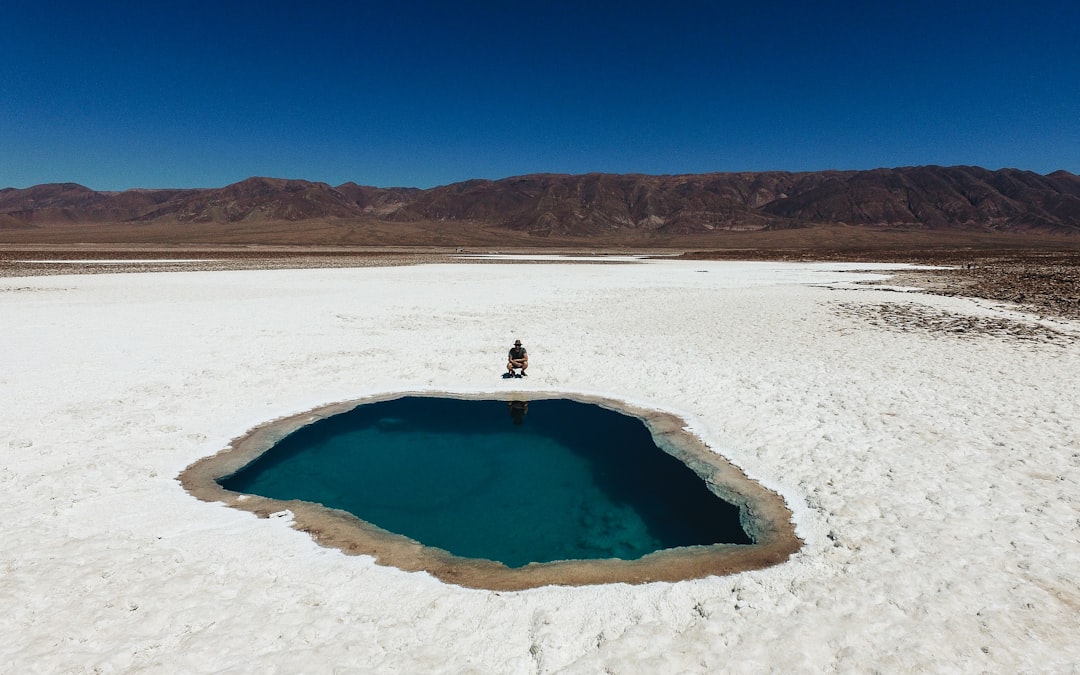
934 481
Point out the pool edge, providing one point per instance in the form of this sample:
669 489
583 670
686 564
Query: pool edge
764 514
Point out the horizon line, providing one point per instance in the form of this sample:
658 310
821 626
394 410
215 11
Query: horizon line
536 173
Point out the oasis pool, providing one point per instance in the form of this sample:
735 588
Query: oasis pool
516 482
504 494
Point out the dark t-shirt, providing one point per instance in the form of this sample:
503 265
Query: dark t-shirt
517 352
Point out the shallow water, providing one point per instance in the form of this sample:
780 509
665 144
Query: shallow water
509 481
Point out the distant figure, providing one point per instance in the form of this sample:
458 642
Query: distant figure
519 358
518 410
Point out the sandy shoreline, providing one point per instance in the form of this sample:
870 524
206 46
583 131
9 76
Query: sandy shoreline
932 472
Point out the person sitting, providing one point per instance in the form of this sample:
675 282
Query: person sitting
519 358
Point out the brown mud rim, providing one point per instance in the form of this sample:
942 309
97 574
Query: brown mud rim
763 514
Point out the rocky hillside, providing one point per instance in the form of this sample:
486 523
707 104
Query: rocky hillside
930 198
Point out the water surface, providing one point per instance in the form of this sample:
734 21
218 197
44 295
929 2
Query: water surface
510 481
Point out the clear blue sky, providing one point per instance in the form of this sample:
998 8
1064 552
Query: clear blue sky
201 94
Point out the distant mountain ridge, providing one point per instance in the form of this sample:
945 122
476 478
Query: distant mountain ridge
543 205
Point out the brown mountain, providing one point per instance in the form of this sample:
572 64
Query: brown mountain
254 199
569 207
941 198
72 203
595 204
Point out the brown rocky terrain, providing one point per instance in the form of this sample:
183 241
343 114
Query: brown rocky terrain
554 209
1042 279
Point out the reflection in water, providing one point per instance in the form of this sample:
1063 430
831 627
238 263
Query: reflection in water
518 410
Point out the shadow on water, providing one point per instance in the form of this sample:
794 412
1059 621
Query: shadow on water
518 410
626 464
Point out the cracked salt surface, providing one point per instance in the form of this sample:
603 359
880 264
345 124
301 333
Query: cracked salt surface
935 481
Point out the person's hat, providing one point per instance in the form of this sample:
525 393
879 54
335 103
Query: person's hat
517 343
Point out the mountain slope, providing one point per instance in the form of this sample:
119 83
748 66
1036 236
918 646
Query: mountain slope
592 205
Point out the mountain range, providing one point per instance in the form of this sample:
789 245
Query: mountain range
572 207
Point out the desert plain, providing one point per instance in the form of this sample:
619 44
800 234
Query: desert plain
923 426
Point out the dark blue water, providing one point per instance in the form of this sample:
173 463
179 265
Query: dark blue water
514 482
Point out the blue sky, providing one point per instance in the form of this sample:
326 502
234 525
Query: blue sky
116 95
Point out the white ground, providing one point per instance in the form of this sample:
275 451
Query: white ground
934 477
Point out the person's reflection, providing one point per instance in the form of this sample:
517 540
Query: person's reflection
518 410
